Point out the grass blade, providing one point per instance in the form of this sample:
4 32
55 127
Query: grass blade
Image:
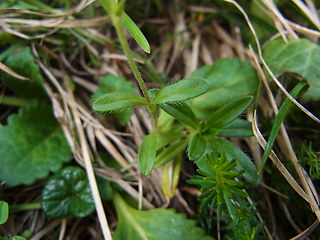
277 123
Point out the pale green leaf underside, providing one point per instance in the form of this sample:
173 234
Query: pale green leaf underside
147 153
135 32
117 101
111 83
180 91
31 145
156 224
299 56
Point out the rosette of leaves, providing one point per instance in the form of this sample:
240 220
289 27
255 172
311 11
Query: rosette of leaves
219 184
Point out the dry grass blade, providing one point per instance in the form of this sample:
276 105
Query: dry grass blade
282 88
282 169
12 73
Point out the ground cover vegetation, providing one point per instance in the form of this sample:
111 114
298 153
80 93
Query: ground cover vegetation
159 119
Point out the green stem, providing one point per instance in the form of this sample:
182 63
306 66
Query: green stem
117 22
14 101
25 207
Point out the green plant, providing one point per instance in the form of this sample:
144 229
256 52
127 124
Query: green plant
4 214
201 138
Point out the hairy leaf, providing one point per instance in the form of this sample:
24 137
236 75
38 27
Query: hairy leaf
111 84
117 101
31 145
156 224
135 32
196 147
4 212
237 128
232 152
68 192
23 63
170 152
147 153
227 79
182 112
180 91
229 112
298 56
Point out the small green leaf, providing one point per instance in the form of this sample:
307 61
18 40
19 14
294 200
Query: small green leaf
196 147
68 192
117 101
147 153
237 128
31 145
180 91
182 112
23 63
135 32
231 206
170 152
298 56
170 136
4 212
227 79
233 152
111 84
154 224
170 176
229 112
285 107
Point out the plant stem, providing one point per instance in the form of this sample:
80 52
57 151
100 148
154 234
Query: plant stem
25 207
117 22
14 101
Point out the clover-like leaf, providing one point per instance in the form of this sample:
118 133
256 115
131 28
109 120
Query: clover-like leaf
227 79
298 56
4 212
154 224
185 89
147 153
117 101
68 192
31 145
110 84
23 63
182 112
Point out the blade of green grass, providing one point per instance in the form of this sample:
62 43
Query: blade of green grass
278 121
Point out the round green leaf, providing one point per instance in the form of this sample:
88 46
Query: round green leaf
68 192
